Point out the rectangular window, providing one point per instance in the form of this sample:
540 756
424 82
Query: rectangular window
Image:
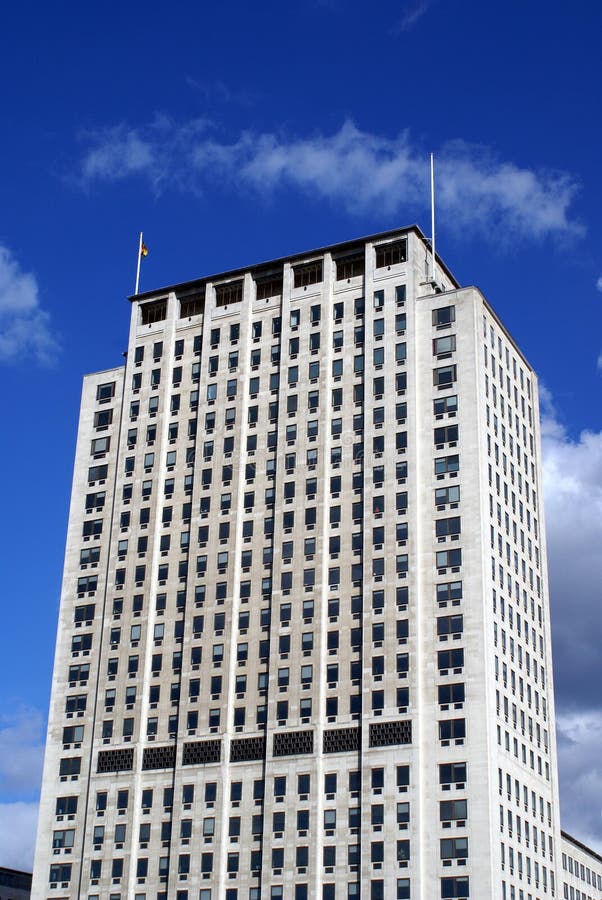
446 464
445 315
447 558
269 286
452 729
450 625
444 376
228 293
445 405
446 434
452 888
307 274
105 392
350 266
448 527
391 254
444 346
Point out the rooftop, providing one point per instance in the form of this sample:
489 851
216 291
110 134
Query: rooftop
263 268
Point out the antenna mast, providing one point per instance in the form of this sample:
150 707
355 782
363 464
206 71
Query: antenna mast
433 218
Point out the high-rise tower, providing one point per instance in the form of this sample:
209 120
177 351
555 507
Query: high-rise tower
304 638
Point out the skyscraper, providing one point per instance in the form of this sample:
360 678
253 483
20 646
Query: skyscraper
304 637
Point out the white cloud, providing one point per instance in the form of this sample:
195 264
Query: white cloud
21 751
572 471
580 763
18 824
362 172
599 283
22 737
24 326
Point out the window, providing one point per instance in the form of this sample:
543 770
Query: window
307 274
445 315
454 848
103 419
97 473
349 267
444 376
105 391
447 625
451 810
444 346
447 495
448 558
451 590
451 693
450 659
452 888
448 527
445 405
446 464
391 254
231 292
62 873
100 446
403 889
452 729
446 434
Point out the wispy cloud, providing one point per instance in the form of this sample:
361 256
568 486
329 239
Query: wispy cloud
25 328
364 173
217 92
599 284
412 13
159 152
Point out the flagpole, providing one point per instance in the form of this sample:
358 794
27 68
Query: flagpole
138 266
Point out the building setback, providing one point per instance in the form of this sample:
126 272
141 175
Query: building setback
304 637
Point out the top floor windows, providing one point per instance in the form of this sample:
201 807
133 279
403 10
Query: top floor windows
228 293
192 304
156 311
350 266
269 286
391 254
308 273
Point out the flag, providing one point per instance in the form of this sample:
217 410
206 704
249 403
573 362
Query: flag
143 249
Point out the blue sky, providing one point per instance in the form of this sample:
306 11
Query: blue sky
243 132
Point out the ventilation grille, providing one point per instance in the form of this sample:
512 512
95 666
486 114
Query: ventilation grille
341 740
389 734
198 753
159 757
247 749
293 743
116 760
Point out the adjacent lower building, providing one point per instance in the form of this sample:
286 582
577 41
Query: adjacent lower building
14 884
304 637
581 870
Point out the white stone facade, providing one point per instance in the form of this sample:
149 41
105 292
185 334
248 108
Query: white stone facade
304 638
